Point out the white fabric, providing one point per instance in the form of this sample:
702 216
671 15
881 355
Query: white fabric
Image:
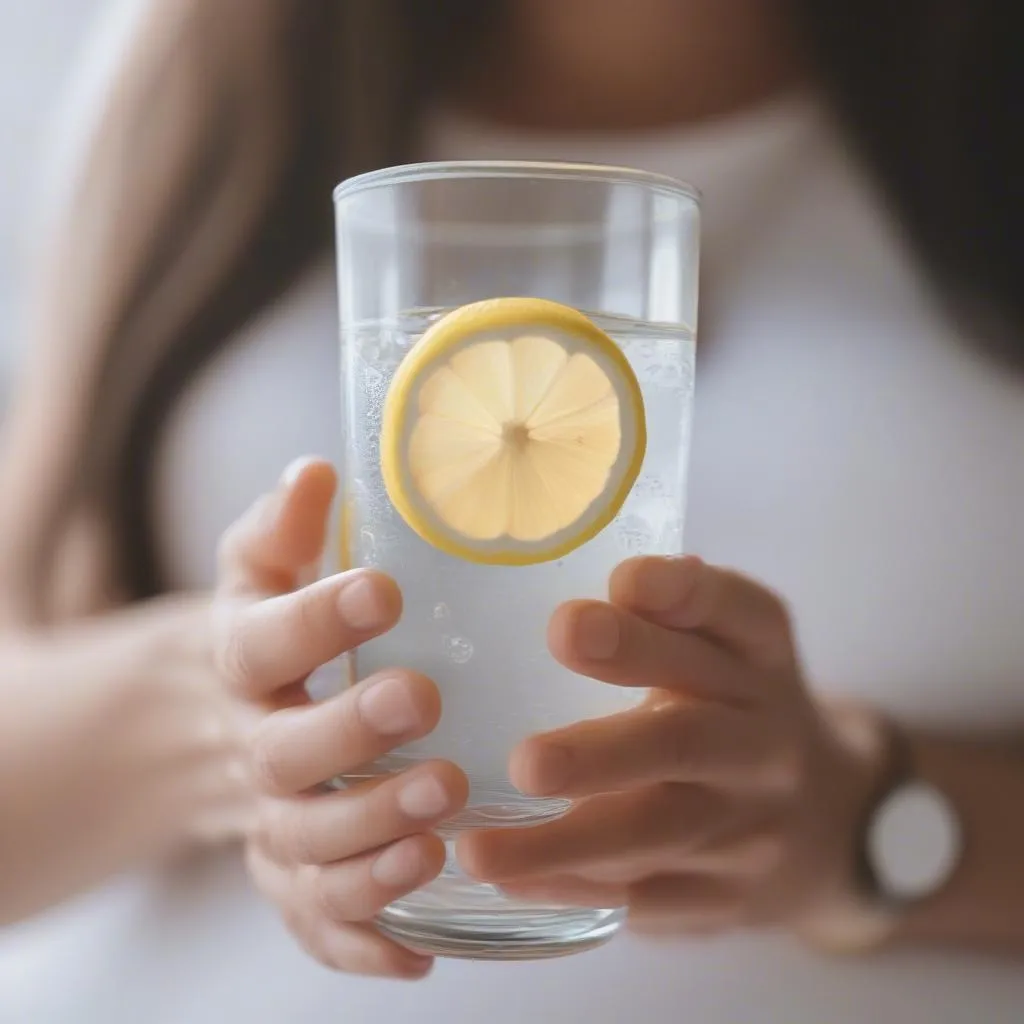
847 449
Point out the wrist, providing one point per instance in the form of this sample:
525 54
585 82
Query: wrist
869 758
906 846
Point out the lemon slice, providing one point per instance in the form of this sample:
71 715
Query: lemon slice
512 432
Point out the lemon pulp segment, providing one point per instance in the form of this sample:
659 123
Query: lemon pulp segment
512 432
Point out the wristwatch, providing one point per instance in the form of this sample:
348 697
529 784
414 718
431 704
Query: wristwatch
908 846
912 844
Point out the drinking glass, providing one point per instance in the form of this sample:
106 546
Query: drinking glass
413 244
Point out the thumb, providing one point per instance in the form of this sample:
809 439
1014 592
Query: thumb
269 549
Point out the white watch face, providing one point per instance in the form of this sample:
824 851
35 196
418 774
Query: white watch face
914 841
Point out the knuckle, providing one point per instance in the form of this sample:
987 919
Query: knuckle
232 657
350 734
364 815
299 836
314 616
268 763
682 748
750 859
285 832
263 834
661 798
330 900
652 823
690 816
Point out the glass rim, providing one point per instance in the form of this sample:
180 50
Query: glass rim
608 174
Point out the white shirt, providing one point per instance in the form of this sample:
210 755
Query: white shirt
847 449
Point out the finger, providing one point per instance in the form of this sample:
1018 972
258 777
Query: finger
664 819
268 644
607 643
670 741
357 889
688 594
567 891
282 534
750 856
298 748
330 827
361 949
684 904
355 948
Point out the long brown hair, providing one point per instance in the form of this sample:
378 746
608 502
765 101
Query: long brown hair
927 89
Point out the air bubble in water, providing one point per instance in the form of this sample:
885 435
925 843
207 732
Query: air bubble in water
458 649
657 362
386 534
671 538
634 534
651 485
373 378
367 546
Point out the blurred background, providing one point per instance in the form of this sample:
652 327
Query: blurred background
41 42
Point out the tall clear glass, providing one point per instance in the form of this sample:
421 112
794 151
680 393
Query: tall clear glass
415 243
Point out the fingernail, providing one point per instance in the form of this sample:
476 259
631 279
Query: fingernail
361 603
385 707
295 468
423 798
597 632
399 866
664 583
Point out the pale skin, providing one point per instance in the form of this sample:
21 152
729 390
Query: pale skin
731 799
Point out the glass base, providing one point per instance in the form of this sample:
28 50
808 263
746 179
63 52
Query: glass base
456 916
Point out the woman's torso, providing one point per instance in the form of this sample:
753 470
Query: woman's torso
846 449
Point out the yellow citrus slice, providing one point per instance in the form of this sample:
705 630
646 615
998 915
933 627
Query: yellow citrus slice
512 432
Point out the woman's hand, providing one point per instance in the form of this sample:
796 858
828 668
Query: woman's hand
726 799
119 746
329 859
